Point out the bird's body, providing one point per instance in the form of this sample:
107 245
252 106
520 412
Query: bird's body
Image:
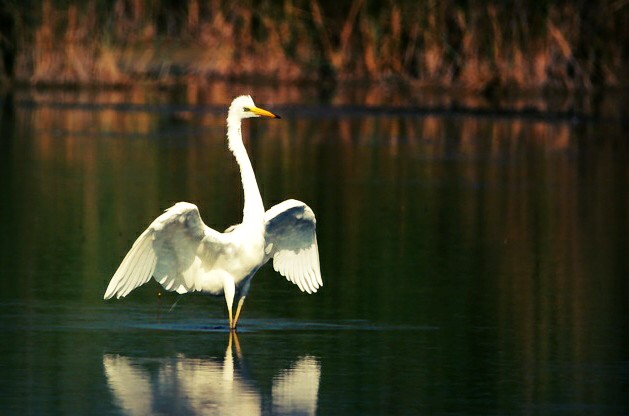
185 255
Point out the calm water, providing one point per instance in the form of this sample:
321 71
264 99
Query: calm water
471 265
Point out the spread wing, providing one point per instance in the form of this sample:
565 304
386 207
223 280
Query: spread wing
173 249
291 241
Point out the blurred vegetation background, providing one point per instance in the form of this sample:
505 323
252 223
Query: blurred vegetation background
486 46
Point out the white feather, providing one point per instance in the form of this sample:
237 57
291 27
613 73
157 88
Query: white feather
291 236
167 250
184 255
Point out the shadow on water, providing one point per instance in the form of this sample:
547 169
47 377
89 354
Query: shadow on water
183 385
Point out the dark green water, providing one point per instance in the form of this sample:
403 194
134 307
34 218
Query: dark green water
471 265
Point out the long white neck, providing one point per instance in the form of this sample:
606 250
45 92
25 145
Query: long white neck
253 211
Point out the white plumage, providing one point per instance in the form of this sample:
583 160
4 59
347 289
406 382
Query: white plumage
185 255
292 243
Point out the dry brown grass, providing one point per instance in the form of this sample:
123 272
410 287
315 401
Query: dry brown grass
481 47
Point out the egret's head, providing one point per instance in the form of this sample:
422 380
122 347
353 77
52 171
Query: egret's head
244 107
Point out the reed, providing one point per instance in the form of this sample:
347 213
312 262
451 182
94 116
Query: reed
484 46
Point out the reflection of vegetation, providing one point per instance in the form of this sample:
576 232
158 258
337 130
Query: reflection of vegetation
506 231
450 43
520 180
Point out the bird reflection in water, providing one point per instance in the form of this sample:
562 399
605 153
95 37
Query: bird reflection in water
196 386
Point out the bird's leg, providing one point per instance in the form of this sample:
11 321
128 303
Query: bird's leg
241 301
230 289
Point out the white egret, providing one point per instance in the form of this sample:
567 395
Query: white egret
185 255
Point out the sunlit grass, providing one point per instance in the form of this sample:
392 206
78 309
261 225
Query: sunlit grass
480 47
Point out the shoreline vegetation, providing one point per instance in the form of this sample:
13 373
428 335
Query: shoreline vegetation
486 47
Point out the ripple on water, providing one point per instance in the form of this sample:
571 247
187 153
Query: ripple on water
54 316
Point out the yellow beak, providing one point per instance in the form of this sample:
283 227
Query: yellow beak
262 112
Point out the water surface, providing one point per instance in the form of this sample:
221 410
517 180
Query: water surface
472 264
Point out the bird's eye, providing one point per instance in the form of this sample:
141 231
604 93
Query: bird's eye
246 109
